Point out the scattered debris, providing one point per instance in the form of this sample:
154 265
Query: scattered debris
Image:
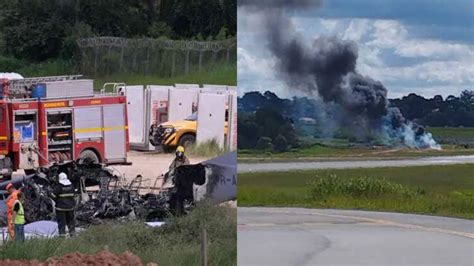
214 179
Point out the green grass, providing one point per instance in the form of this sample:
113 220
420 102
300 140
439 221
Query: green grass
48 68
177 243
453 134
221 75
439 190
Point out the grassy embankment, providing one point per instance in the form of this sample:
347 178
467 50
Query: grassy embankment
222 75
437 190
225 74
177 243
453 139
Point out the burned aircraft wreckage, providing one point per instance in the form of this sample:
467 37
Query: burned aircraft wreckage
214 179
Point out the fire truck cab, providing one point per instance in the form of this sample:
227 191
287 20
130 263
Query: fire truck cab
57 119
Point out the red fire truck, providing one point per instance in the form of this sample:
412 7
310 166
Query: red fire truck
55 119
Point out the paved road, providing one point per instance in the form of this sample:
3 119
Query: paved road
297 236
284 166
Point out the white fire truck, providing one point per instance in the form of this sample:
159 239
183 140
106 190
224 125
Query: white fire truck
54 119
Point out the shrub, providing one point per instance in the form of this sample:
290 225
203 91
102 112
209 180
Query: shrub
365 187
206 149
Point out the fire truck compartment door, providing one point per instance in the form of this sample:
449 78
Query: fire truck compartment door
180 104
136 114
114 133
211 118
88 123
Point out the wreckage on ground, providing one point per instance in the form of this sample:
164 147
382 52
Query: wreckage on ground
214 179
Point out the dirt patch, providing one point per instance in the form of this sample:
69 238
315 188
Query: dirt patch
101 258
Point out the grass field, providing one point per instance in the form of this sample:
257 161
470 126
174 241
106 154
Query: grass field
177 243
222 75
324 152
455 141
225 74
438 190
453 134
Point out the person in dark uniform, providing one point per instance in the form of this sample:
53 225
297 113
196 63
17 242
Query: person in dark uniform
63 196
179 160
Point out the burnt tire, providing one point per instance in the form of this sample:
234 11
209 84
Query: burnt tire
88 156
187 140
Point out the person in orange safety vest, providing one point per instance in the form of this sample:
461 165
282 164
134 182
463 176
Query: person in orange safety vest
10 202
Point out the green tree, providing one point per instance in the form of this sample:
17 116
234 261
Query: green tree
34 29
192 17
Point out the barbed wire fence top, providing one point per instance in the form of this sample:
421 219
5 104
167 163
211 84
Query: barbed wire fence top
111 55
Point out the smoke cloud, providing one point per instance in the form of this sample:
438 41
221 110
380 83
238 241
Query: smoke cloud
326 69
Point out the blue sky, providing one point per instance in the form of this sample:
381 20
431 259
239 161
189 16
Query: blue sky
425 47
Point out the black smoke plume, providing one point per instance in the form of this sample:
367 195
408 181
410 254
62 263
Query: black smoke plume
326 69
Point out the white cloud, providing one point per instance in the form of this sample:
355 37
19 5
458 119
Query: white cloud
357 29
329 24
250 64
447 72
391 34
432 48
387 34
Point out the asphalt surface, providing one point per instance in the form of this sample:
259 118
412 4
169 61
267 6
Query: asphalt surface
285 166
297 236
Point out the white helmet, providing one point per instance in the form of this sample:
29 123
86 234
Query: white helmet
64 180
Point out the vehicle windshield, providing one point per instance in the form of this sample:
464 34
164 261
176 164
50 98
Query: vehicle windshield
192 117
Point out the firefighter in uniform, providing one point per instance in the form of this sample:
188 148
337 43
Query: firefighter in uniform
63 196
179 160
12 198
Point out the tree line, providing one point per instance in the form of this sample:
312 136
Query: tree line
267 121
37 30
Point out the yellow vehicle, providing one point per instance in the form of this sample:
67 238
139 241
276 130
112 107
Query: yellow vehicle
177 133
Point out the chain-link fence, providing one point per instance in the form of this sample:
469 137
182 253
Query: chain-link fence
110 55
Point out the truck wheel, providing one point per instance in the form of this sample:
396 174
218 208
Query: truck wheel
187 140
88 156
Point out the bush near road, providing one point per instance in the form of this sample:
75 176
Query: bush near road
446 190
